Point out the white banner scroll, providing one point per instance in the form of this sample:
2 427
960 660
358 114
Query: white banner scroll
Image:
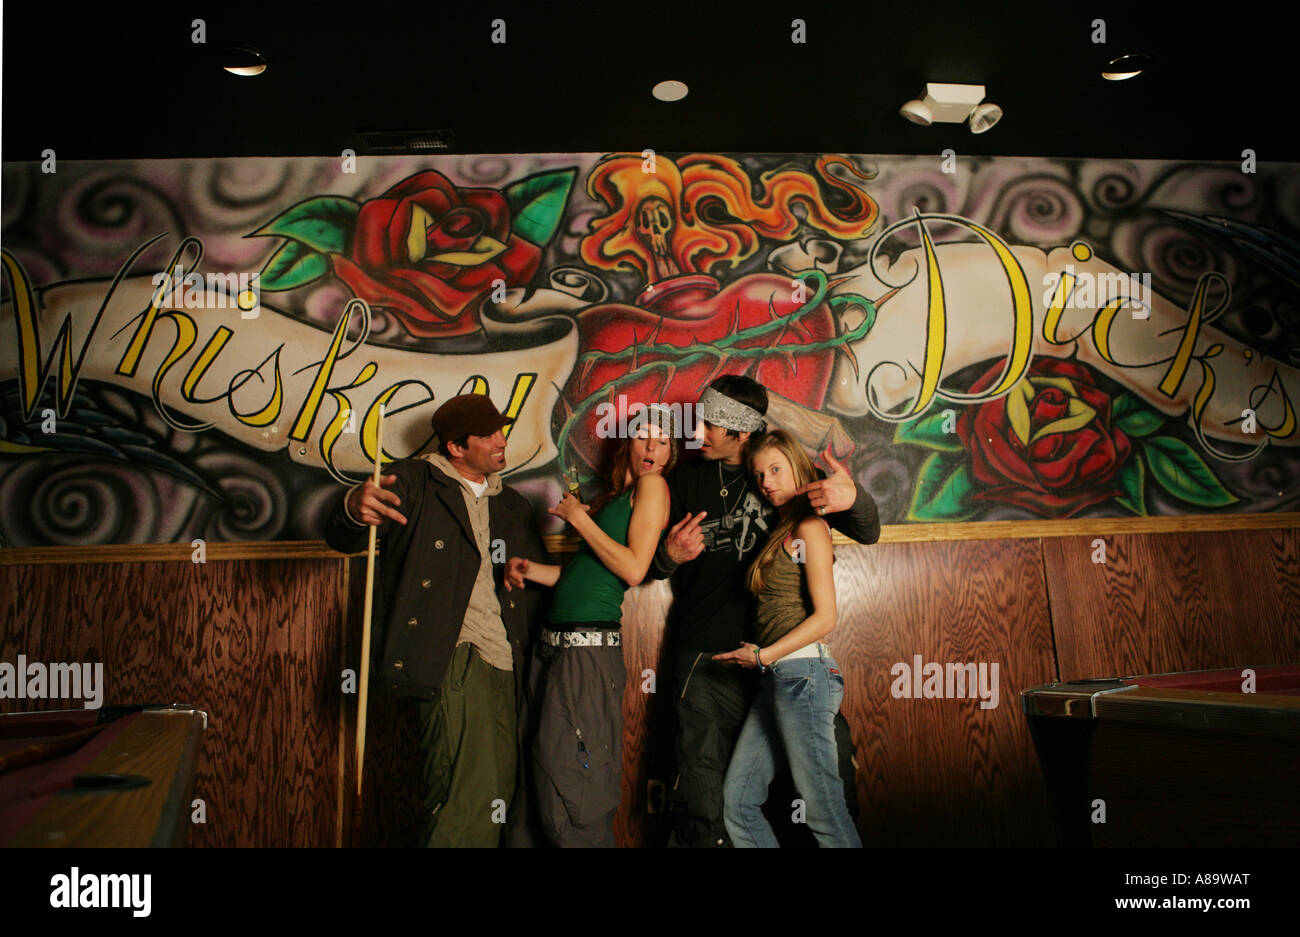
276 382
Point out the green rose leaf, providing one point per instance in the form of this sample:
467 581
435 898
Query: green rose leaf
942 488
928 431
1134 419
1132 480
293 265
1123 404
322 223
537 204
1183 473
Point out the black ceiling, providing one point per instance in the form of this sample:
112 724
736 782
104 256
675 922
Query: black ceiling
118 83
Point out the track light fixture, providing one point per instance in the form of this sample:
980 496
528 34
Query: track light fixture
952 104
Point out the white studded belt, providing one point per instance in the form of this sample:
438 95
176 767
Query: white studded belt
582 638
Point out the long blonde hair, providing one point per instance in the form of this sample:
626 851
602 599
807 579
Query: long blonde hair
800 509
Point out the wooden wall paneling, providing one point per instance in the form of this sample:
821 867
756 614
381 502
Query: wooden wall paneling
314 681
243 642
1173 602
252 661
1277 577
394 789
216 635
393 809
346 821
647 717
260 643
944 772
1107 616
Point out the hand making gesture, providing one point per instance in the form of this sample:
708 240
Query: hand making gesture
832 494
744 656
686 541
569 507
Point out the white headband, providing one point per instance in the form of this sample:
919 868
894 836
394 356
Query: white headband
655 414
717 408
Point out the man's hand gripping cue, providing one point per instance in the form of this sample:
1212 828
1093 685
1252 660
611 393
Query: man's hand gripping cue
370 503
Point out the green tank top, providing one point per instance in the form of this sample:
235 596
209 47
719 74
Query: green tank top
586 590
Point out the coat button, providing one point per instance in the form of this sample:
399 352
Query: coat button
512 603
411 622
437 544
397 665
426 582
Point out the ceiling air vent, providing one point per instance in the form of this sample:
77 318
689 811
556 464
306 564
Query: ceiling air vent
405 141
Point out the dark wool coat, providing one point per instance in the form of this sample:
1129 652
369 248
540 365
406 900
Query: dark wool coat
425 572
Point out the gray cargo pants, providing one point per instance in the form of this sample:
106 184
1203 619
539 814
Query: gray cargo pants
578 750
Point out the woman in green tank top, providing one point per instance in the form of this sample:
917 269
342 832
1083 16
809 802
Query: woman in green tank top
577 676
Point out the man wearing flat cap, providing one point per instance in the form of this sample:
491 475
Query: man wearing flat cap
447 630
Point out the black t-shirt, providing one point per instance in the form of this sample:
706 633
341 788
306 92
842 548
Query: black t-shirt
713 610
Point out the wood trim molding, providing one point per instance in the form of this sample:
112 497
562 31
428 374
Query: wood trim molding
169 552
559 543
1019 530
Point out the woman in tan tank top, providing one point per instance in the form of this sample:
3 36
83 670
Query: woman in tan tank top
792 718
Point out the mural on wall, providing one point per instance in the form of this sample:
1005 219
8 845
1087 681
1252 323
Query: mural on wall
202 348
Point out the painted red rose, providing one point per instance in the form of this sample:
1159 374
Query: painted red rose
685 316
429 251
1049 445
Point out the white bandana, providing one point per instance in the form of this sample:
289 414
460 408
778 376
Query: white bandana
720 410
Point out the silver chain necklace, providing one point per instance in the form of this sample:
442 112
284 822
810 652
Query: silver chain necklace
722 490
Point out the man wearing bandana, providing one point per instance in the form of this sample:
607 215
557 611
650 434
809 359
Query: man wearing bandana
718 524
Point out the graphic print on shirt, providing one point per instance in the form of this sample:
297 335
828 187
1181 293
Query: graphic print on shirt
741 530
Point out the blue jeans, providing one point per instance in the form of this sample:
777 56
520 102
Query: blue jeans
792 719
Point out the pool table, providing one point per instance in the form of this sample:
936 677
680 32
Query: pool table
115 776
1175 759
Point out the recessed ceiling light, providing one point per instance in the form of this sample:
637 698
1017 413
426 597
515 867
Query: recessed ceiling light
243 61
1126 66
670 90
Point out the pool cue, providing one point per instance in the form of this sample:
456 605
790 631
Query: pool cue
365 643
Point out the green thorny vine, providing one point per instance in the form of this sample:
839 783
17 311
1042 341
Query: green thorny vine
724 350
